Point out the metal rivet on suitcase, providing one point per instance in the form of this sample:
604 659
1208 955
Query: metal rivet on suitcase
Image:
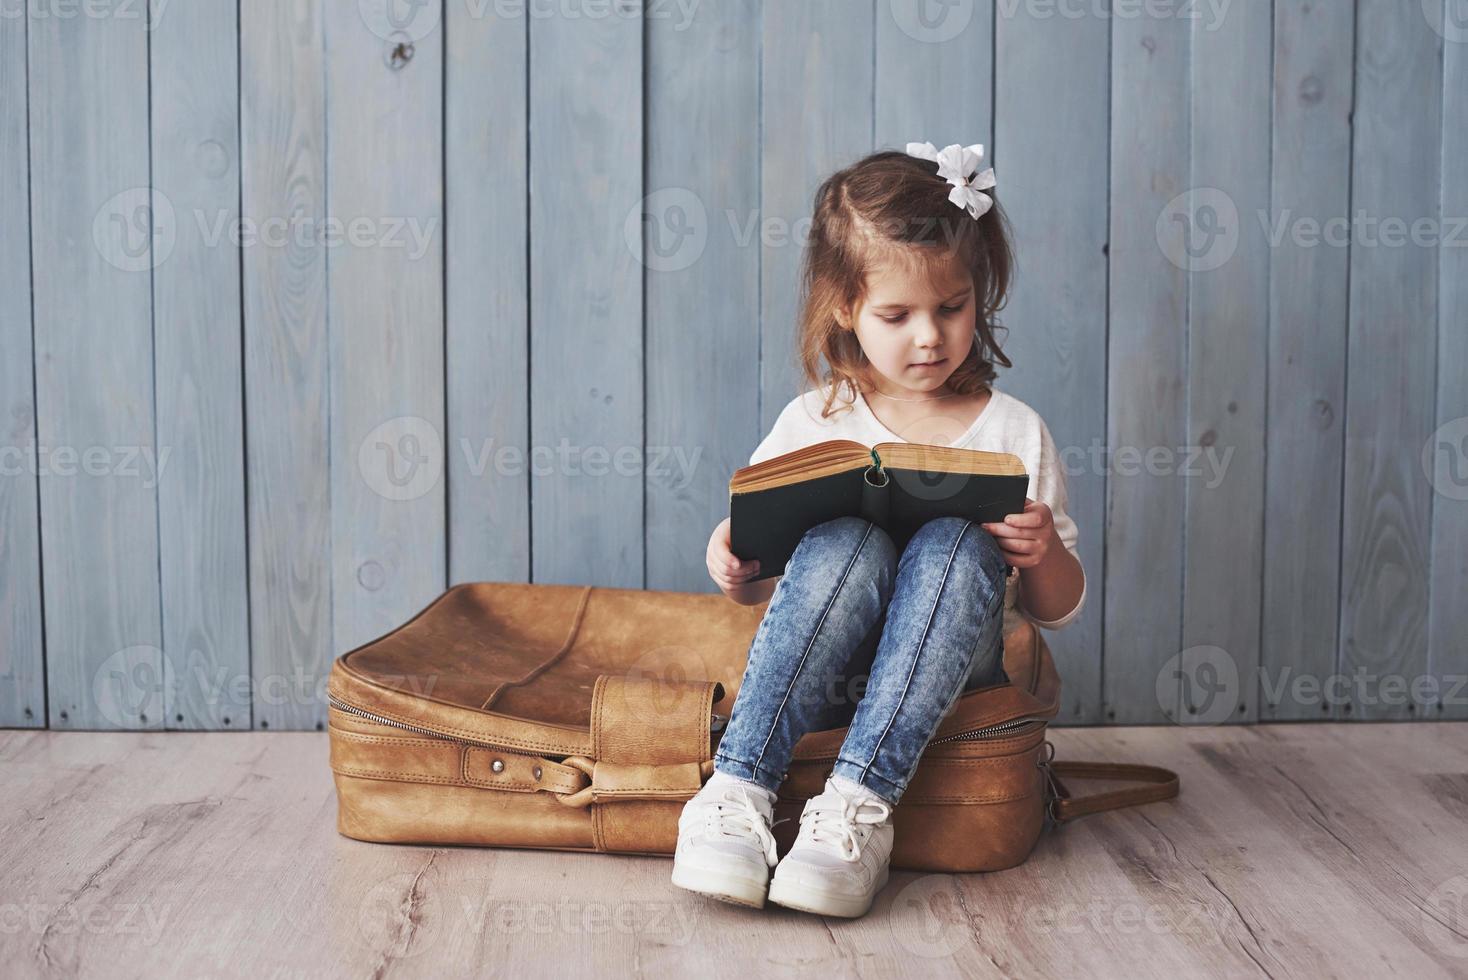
537 772
498 765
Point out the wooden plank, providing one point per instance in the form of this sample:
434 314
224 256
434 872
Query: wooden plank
385 300
1228 334
701 268
283 172
487 303
1391 369
1309 287
935 68
22 653
196 337
1146 367
823 51
94 240
1052 182
1296 850
1448 615
586 350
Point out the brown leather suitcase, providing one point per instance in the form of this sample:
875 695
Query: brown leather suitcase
579 718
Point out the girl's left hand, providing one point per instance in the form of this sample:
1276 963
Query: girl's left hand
1025 538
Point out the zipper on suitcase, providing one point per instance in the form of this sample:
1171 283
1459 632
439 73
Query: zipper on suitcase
352 709
988 731
716 723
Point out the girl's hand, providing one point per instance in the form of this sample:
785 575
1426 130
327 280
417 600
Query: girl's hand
1026 538
729 573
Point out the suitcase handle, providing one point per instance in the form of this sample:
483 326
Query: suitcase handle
608 782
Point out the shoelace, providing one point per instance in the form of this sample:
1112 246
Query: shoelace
836 824
734 814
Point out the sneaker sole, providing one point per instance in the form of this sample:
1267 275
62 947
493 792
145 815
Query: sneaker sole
793 895
725 888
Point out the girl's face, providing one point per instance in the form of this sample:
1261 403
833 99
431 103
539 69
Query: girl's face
914 332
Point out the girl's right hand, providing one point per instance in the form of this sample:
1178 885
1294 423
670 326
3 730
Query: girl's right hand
730 574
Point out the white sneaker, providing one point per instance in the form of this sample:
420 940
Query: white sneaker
725 846
839 861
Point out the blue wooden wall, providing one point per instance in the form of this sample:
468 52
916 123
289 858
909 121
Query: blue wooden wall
310 310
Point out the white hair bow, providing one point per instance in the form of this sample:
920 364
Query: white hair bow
957 164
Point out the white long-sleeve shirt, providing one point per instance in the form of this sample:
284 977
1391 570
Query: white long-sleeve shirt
1006 425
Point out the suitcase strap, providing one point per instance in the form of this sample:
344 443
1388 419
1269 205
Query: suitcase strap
650 740
1161 784
1157 784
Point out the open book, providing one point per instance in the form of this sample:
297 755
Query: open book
899 486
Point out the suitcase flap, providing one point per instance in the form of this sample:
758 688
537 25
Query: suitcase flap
650 737
515 665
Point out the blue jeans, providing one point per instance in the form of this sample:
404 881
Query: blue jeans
935 616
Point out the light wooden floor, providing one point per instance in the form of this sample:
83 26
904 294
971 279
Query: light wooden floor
1300 850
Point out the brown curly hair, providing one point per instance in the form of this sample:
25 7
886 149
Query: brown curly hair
890 205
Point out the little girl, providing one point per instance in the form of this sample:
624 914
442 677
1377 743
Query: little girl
907 265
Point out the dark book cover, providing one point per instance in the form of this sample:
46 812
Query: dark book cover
768 524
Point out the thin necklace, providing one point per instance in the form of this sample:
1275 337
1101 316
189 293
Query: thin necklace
894 398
